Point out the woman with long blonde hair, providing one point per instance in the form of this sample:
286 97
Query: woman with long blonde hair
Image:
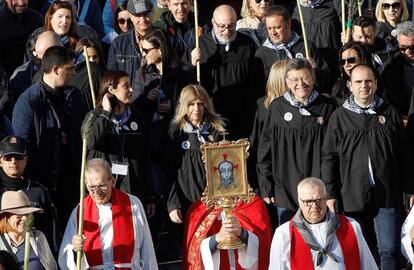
194 123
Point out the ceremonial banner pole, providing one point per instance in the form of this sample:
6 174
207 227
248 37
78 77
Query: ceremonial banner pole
88 67
85 131
360 2
303 30
196 38
349 21
27 227
343 18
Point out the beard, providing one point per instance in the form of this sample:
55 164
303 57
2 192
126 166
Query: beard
225 40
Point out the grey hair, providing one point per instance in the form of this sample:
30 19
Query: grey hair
313 181
405 28
98 165
299 63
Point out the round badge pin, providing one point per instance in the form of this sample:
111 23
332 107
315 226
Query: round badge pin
320 120
381 119
299 55
288 116
134 126
185 145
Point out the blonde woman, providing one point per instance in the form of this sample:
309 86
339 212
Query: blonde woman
275 87
252 23
389 13
194 123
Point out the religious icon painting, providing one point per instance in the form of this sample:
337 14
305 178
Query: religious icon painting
226 172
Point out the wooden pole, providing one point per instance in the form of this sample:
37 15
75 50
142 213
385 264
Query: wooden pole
197 38
369 4
305 40
351 4
360 2
88 67
26 250
343 17
82 196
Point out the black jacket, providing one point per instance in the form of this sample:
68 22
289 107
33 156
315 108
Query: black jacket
350 140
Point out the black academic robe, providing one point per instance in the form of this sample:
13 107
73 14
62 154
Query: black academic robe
350 140
187 170
290 148
226 77
266 57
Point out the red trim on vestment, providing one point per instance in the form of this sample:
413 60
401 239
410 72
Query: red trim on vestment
300 253
253 216
123 230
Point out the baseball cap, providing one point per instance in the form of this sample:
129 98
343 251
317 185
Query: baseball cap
12 145
136 7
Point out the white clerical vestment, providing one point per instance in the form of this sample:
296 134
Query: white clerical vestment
280 248
406 248
144 255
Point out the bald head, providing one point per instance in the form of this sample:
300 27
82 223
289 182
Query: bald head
225 11
46 40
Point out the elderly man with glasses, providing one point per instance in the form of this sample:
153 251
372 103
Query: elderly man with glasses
116 234
226 58
291 141
318 239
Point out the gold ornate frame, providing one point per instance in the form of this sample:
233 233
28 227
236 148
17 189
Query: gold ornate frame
234 152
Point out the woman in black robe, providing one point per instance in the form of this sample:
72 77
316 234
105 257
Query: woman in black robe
195 123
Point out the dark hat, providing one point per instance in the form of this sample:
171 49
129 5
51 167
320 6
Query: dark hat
136 7
12 145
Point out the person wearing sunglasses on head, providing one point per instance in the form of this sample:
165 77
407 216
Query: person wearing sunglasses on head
316 238
14 177
397 80
351 54
252 23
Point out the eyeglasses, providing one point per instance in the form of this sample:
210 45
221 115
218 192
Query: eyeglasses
296 80
10 157
404 48
309 203
96 188
349 60
387 6
123 21
223 27
148 50
259 1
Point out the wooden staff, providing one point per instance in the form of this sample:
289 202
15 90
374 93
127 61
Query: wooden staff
82 188
369 4
412 18
343 17
349 21
196 38
27 227
88 67
360 2
302 23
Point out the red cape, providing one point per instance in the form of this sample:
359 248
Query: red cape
253 216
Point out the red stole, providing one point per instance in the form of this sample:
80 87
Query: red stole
123 228
300 253
253 216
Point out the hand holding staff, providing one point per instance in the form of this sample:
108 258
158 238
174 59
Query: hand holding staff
302 23
88 67
196 37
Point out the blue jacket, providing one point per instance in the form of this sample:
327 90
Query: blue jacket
125 55
34 120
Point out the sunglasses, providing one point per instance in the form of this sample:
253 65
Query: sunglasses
349 60
259 1
10 157
123 21
148 50
404 48
386 6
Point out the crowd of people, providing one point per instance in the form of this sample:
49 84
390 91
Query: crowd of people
328 115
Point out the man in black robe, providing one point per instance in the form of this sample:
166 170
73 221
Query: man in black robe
226 58
366 165
290 146
285 44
